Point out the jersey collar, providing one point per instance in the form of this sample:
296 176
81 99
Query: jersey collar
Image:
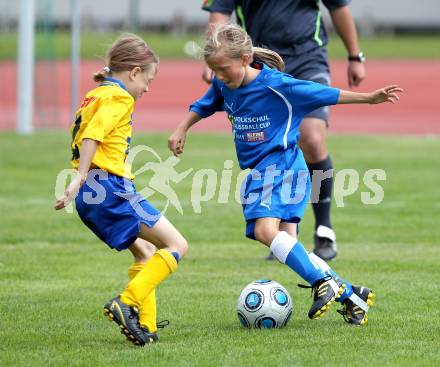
112 82
258 65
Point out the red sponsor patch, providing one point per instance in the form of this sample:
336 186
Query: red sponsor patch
256 136
87 101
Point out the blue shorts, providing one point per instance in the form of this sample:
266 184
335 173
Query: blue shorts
313 66
110 206
286 198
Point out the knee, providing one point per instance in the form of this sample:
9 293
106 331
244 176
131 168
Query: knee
181 246
264 234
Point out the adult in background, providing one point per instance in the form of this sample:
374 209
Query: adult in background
294 29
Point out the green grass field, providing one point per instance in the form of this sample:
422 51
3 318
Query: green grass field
94 45
55 275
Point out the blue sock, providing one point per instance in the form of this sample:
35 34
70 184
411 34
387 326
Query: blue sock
329 271
176 256
290 252
348 288
298 260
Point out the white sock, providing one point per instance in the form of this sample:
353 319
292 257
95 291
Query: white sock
281 245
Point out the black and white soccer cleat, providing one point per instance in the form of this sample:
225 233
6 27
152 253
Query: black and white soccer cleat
324 293
356 306
128 320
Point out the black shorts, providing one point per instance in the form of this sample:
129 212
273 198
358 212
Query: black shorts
313 66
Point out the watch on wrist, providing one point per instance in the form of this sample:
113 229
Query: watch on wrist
359 57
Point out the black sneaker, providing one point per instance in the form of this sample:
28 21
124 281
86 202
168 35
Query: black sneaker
325 243
355 307
152 337
324 293
128 320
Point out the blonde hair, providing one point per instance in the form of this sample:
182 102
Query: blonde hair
234 42
126 53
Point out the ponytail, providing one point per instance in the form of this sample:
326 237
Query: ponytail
99 76
268 57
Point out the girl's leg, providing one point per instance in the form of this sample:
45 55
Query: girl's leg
291 228
142 251
172 247
356 300
266 230
287 249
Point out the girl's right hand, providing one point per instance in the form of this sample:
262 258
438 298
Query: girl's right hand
176 142
70 193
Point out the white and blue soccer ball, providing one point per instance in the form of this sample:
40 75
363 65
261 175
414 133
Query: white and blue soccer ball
264 304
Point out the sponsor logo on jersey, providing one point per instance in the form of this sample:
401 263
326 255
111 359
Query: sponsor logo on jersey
87 101
255 136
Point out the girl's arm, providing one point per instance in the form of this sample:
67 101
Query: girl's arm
88 150
176 141
386 94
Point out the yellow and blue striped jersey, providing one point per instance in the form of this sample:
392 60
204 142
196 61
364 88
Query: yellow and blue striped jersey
105 116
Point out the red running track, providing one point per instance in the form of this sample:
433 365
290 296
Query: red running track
179 83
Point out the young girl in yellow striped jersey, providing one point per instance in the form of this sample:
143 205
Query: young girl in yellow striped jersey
106 199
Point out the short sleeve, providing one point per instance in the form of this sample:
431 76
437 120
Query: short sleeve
219 6
106 118
210 103
308 96
334 4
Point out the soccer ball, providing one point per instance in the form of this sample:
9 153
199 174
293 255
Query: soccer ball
264 304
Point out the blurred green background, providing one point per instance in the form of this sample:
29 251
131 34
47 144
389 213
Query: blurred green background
93 45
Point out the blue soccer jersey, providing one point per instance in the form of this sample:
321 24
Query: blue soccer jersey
265 116
266 113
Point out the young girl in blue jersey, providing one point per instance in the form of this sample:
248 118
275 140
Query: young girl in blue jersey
106 199
265 107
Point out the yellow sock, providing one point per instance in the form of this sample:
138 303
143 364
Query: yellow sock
147 310
134 269
155 270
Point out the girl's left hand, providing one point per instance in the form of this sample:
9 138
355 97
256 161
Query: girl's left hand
386 94
70 193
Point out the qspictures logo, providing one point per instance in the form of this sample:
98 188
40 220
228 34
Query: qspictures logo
207 185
